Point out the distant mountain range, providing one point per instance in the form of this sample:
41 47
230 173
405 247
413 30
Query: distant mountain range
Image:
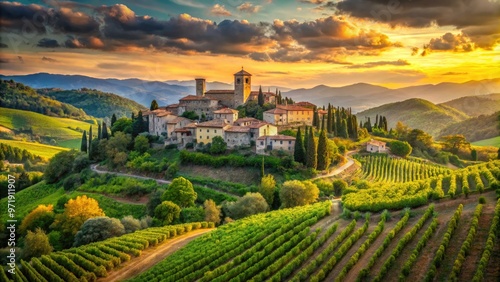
477 121
141 91
362 96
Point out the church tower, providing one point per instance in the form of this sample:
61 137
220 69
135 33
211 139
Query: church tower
242 87
200 87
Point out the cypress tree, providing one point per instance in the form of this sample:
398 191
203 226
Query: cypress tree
312 150
368 125
132 117
381 122
83 146
323 156
262 172
154 105
360 124
99 131
385 123
113 119
306 140
90 141
355 127
316 119
138 125
323 123
376 122
337 122
260 98
299 153
104 134
349 125
329 119
343 129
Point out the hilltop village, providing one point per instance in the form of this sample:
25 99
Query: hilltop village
219 117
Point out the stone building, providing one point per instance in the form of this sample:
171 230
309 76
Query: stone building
202 106
206 131
230 115
375 146
289 115
276 142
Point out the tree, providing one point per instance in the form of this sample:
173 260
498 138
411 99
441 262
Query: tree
343 130
83 146
130 224
116 148
90 141
250 204
154 201
419 139
41 217
190 115
76 212
36 244
266 188
306 145
98 229
400 148
99 131
312 154
454 143
299 152
402 130
473 154
339 185
124 125
295 193
113 120
154 105
59 166
498 154
181 192
167 212
316 121
260 98
23 180
141 144
323 153
104 133
212 211
138 125
219 146
192 214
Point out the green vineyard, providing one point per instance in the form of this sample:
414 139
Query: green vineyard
382 168
89 262
382 196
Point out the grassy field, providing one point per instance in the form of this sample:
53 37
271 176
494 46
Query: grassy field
71 144
57 128
495 142
42 150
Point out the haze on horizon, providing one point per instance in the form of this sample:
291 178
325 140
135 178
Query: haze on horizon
303 43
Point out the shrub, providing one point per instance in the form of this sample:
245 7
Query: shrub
130 224
167 212
98 229
36 244
251 203
482 200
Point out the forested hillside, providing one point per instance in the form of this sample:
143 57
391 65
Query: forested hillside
16 95
475 129
94 102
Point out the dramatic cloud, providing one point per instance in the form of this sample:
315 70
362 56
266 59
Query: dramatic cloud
249 8
220 10
317 2
48 43
447 42
49 60
380 63
478 19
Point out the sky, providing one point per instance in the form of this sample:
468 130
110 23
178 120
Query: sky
291 43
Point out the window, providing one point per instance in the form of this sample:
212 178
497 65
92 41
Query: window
207 137
201 137
238 81
215 130
246 80
281 142
208 130
200 129
289 142
262 143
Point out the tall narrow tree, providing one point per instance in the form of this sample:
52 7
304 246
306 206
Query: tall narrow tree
260 98
99 131
306 140
154 105
323 157
90 141
104 134
83 146
376 122
113 119
299 153
316 121
312 150
385 123
343 129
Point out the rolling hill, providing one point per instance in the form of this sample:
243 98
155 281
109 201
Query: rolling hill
59 129
94 102
475 129
476 105
37 149
416 113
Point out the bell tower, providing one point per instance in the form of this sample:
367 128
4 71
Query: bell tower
200 87
242 87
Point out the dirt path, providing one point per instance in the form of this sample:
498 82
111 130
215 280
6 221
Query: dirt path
339 170
151 256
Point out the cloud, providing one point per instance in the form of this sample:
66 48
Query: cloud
459 43
84 42
478 19
455 73
220 10
317 2
380 63
49 60
249 8
189 3
48 43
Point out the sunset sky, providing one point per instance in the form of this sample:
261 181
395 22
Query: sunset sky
289 43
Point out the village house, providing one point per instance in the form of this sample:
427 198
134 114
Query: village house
206 131
269 97
185 135
202 106
227 114
375 146
258 129
158 120
235 136
276 143
246 121
289 115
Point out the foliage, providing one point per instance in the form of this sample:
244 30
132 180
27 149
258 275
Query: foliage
190 115
212 211
154 201
130 224
299 152
311 150
36 244
60 165
323 152
454 143
218 146
141 144
122 125
76 212
98 229
295 193
154 105
181 192
41 217
167 212
192 214
232 160
267 187
250 204
116 148
401 149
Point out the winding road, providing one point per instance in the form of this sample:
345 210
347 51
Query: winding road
339 170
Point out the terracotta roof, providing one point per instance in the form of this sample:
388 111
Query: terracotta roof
219 92
213 123
293 108
162 114
195 98
178 119
226 111
241 129
246 119
305 104
323 112
276 111
182 130
242 72
172 106
259 124
155 112
191 125
277 137
376 143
